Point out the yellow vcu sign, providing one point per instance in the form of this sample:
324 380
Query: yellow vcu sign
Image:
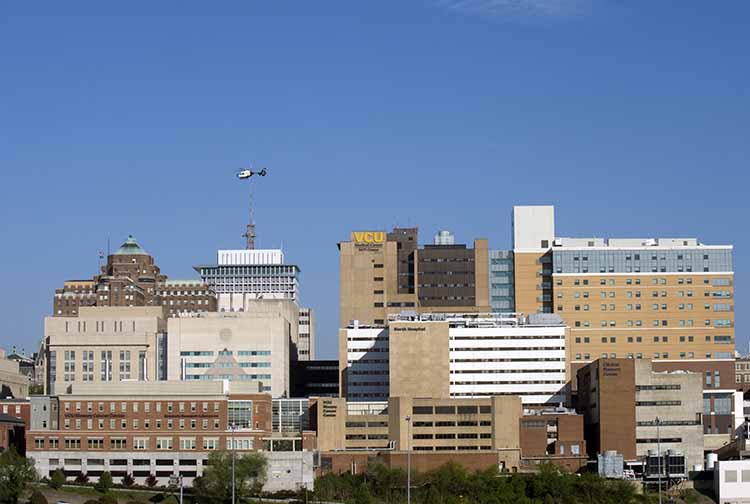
369 237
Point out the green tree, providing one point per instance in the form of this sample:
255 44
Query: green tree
151 480
105 482
57 480
16 473
215 486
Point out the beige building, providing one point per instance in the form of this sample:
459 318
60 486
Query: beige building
14 384
306 342
459 356
658 298
385 273
104 344
425 426
250 345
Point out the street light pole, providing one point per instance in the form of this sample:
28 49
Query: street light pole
232 427
658 454
408 460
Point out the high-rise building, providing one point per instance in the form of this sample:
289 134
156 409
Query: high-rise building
665 299
240 276
131 278
383 273
458 356
658 298
244 279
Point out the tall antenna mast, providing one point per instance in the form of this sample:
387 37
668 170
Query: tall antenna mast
250 230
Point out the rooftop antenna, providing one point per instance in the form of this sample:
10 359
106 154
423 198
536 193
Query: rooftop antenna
249 235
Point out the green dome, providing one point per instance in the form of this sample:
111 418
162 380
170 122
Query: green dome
130 247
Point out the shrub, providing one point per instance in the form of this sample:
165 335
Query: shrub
151 480
104 483
128 480
57 480
82 478
37 497
108 499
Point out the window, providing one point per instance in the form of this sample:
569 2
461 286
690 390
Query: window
124 364
69 365
730 476
164 443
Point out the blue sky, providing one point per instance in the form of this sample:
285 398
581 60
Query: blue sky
633 118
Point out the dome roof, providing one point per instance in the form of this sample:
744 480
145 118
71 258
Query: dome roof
130 247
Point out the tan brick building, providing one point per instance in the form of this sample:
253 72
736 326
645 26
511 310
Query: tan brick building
385 273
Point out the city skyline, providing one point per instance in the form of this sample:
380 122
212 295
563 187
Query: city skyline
113 149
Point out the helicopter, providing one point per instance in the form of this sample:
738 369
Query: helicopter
246 174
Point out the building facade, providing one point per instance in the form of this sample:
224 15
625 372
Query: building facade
242 275
163 429
384 273
251 346
13 383
501 281
315 378
457 355
131 278
306 343
623 400
105 344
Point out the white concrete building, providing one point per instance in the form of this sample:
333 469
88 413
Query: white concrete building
366 368
489 355
239 346
507 355
242 275
732 481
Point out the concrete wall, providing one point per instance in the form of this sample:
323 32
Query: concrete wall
732 481
268 327
419 355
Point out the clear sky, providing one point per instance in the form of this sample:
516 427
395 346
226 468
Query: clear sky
632 117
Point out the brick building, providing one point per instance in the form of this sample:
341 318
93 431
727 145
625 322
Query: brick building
164 428
131 278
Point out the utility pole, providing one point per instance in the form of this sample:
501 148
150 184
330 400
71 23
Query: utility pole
408 460
658 454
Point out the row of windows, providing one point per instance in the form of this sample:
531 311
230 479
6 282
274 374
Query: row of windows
136 406
165 443
656 355
136 423
656 339
658 323
716 282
